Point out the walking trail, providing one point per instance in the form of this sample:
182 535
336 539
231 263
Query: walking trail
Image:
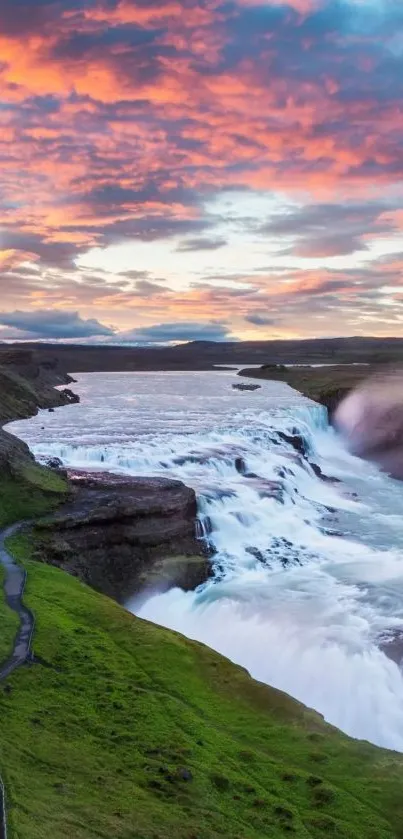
14 584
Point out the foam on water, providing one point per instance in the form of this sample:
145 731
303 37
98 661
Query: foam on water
308 575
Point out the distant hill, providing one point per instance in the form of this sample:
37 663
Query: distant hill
203 355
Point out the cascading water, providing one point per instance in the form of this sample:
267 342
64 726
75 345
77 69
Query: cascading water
307 590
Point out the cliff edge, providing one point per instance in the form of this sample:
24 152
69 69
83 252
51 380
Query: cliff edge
124 535
26 385
121 535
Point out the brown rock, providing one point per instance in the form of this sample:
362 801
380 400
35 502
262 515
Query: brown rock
125 535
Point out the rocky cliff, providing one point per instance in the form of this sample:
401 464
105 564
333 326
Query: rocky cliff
26 385
119 535
123 535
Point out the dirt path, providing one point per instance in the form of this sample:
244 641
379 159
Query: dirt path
14 584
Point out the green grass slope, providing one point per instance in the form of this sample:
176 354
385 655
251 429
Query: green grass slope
26 488
26 491
18 397
123 730
8 625
29 491
25 388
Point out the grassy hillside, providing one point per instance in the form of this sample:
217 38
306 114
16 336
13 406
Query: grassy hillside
8 625
125 730
29 492
26 384
26 492
26 489
24 389
17 396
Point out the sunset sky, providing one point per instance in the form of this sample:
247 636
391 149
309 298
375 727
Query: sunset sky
217 169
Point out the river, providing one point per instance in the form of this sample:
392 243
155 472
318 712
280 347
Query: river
307 591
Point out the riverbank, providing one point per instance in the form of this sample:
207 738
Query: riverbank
327 385
26 385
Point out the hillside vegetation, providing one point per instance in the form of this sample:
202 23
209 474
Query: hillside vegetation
26 488
123 729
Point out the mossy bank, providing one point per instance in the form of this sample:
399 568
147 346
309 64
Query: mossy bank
27 489
123 729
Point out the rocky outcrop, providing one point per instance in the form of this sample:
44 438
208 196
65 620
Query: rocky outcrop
331 398
26 385
124 535
119 535
246 387
296 441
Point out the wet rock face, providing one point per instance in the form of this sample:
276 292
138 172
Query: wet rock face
124 535
70 397
296 441
371 421
54 463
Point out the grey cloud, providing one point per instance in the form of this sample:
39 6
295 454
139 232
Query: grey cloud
319 216
114 195
48 323
201 244
322 230
145 288
60 254
326 287
221 295
134 275
389 259
260 320
23 271
325 246
149 228
165 333
22 16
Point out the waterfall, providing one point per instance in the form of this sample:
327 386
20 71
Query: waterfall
306 540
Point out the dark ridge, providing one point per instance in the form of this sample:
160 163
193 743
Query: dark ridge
203 355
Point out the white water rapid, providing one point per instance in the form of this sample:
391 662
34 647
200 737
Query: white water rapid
307 591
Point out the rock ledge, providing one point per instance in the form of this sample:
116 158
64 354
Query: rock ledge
124 535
